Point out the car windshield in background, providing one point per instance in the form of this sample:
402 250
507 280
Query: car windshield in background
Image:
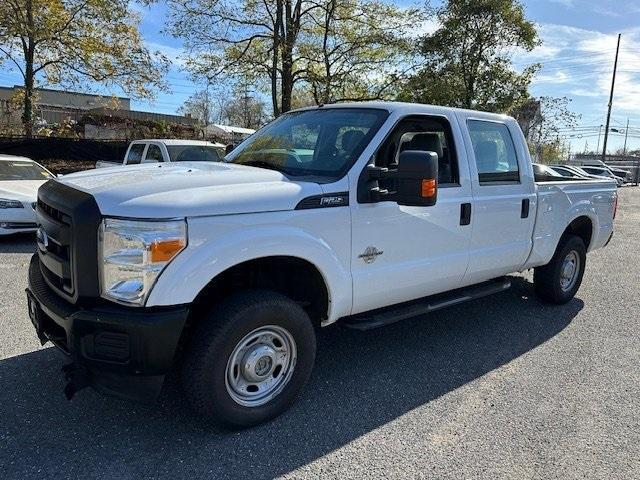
192 153
319 142
21 170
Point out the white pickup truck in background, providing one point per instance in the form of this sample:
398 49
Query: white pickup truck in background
168 150
359 214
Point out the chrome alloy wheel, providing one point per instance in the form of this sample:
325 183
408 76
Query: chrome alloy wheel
569 271
260 366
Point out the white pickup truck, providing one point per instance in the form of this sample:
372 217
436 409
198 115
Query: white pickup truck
167 150
360 214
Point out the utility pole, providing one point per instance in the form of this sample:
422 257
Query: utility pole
613 83
626 134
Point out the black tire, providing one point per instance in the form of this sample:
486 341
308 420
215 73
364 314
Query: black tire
547 279
213 342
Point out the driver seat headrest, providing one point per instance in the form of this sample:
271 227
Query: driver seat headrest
351 139
426 142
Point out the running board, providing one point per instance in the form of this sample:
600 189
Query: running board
395 313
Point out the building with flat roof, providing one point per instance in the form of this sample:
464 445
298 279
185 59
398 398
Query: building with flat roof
55 106
103 117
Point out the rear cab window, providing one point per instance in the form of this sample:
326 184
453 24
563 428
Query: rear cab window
193 153
494 151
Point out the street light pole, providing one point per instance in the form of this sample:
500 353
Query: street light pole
613 83
599 133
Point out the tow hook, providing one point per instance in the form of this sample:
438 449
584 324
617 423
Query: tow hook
77 378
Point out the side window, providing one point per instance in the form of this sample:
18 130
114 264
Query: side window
154 154
135 154
495 152
431 134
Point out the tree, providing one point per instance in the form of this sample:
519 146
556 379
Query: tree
254 40
356 50
245 111
542 121
200 106
467 61
331 48
64 42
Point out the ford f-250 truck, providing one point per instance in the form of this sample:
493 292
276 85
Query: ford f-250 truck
362 214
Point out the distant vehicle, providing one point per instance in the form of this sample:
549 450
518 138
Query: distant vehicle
627 175
168 150
566 171
603 172
20 178
544 173
580 171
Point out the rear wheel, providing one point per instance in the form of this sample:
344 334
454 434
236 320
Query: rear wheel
559 280
249 359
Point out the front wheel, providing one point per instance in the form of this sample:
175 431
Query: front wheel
559 280
249 359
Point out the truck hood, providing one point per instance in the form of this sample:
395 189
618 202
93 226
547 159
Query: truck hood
189 189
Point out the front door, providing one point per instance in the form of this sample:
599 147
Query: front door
401 253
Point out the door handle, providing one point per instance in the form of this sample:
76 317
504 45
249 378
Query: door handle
524 211
465 214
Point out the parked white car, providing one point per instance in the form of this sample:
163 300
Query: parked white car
168 150
360 214
20 178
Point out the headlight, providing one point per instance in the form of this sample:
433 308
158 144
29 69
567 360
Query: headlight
133 253
7 203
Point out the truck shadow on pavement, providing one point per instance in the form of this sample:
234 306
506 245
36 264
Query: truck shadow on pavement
362 380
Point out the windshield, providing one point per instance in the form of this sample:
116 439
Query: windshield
22 170
193 153
319 142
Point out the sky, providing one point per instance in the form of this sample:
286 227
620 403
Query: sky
577 54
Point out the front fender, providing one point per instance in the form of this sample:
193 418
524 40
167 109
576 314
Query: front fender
219 243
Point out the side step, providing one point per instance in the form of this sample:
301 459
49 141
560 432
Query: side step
395 313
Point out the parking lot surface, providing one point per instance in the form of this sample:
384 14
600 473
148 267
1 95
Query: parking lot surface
503 387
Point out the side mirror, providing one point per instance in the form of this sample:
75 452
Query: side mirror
417 178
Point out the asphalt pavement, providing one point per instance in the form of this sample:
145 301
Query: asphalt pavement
503 387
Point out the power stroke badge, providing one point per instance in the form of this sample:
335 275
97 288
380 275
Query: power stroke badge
370 254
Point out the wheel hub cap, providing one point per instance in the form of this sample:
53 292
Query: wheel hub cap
260 366
259 362
569 271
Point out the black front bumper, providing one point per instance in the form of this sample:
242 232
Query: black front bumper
122 351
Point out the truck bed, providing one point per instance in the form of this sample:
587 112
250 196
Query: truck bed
562 201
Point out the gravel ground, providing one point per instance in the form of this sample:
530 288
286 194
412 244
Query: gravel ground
503 387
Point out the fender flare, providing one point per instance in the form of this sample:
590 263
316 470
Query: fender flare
206 257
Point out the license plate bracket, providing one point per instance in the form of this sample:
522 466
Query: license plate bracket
35 315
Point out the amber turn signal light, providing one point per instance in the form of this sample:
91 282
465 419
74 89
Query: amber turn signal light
428 187
165 250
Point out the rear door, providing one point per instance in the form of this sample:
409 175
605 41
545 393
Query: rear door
504 198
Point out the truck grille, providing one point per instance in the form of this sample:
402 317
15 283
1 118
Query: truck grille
67 239
54 246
